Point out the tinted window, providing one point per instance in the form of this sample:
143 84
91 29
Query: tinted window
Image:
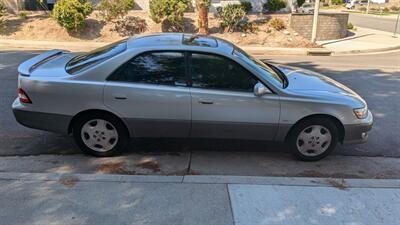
261 67
217 72
85 60
166 68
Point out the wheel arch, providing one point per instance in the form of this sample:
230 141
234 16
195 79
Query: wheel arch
91 111
334 119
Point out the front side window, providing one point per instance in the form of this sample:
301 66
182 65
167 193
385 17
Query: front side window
217 72
261 67
164 68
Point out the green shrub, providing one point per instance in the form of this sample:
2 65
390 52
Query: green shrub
114 9
274 5
130 25
2 12
350 26
246 6
386 10
337 2
168 12
300 2
277 24
23 15
231 16
71 14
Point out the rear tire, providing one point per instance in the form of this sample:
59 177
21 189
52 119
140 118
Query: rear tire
313 139
100 134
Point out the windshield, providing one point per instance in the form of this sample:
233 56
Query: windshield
86 60
261 67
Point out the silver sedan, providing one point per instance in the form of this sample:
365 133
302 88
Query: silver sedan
182 85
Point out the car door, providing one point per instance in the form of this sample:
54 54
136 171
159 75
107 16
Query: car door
150 92
223 101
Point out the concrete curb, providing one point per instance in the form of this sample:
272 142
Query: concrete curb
205 179
376 50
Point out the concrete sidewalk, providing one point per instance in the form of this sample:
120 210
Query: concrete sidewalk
364 40
215 200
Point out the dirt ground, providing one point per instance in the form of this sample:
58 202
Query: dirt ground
38 26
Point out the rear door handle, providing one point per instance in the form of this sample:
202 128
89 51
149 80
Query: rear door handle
206 101
120 97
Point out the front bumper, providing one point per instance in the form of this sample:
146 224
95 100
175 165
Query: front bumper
40 120
358 133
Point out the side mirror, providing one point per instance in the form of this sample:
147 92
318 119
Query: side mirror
260 90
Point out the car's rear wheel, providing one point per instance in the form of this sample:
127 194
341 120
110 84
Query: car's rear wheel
100 134
313 139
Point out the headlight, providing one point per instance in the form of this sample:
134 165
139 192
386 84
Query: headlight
361 113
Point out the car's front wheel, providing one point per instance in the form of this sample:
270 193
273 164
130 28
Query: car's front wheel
313 139
100 134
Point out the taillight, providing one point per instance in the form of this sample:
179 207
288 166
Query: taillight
23 97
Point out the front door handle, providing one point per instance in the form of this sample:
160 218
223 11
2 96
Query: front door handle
206 101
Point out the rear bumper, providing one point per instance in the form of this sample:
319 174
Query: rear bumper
41 121
358 133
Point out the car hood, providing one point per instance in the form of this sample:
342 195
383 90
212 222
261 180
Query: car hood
304 81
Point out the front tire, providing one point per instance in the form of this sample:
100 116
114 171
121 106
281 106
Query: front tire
100 134
313 139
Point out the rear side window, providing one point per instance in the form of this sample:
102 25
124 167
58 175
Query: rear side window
217 72
164 68
86 60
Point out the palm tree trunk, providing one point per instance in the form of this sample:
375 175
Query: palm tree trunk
203 18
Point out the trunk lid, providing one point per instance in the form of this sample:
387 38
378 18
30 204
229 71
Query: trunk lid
47 64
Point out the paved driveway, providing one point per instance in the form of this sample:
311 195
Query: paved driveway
375 77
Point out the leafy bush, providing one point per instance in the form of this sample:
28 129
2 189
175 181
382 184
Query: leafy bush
277 24
231 15
2 12
246 6
386 10
350 26
130 25
71 14
300 2
23 15
274 5
114 9
168 12
394 8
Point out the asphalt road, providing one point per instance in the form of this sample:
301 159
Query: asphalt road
381 23
375 77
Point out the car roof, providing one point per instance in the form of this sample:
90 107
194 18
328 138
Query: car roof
180 40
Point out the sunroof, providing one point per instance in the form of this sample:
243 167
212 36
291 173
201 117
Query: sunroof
199 40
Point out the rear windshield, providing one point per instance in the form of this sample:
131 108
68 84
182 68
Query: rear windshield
89 59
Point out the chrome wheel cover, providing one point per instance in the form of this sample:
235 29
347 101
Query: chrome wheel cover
99 135
314 140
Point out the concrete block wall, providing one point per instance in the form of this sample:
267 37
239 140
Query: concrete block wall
330 25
